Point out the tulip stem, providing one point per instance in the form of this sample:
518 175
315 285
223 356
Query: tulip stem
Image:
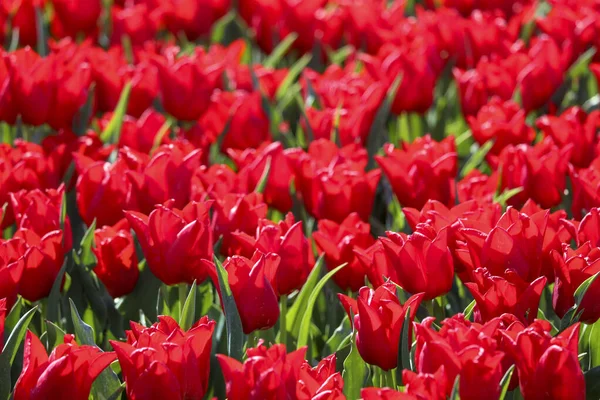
183 289
282 320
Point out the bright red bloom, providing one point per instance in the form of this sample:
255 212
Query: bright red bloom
287 240
252 163
72 17
589 228
338 242
194 18
419 263
418 386
332 181
548 367
11 268
586 193
117 265
477 186
378 320
163 361
503 122
574 128
68 372
572 268
175 241
139 22
22 17
420 171
273 374
250 282
140 133
216 182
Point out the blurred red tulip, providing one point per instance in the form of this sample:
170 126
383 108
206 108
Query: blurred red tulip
417 386
73 17
11 268
68 372
194 18
138 22
378 317
163 361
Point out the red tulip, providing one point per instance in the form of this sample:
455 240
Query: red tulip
117 265
216 182
68 372
163 361
378 317
194 18
252 163
338 242
138 22
586 183
175 241
8 113
272 374
332 181
421 171
237 213
574 128
417 386
572 268
419 263
589 228
287 240
250 282
186 86
22 17
503 122
72 17
497 295
477 186
11 268
548 367
140 133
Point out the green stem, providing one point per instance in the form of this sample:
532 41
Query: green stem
282 320
183 292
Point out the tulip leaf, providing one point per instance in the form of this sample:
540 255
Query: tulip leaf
262 183
581 65
54 335
160 135
86 257
477 158
583 288
505 382
233 323
188 312
339 338
469 310
594 344
41 33
53 303
404 347
355 372
117 394
503 198
219 28
292 319
292 75
592 383
83 332
280 51
304 332
112 132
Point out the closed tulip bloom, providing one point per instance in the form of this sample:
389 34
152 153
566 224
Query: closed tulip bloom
586 189
11 268
117 265
140 133
421 262
3 312
250 282
417 386
589 228
175 241
420 171
68 372
164 361
73 17
503 122
287 240
378 320
272 374
139 22
572 268
338 243
193 17
22 16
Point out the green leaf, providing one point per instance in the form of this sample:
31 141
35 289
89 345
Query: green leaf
292 75
54 337
477 158
188 313
63 214
219 27
338 338
377 132
41 33
592 383
292 319
307 316
280 51
117 394
583 288
503 198
112 132
581 66
404 347
594 344
455 389
262 183
107 382
505 382
355 372
233 323
469 310
160 135
86 257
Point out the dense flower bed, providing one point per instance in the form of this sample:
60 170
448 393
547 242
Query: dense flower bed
299 199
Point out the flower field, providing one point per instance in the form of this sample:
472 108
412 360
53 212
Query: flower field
299 199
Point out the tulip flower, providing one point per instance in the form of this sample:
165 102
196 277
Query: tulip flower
503 122
572 268
586 183
338 242
589 228
138 22
287 240
22 17
117 265
68 372
216 182
477 186
252 163
574 127
175 241
547 365
424 160
419 263
163 361
417 386
140 133
72 17
194 18
271 373
378 317
11 268
250 282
